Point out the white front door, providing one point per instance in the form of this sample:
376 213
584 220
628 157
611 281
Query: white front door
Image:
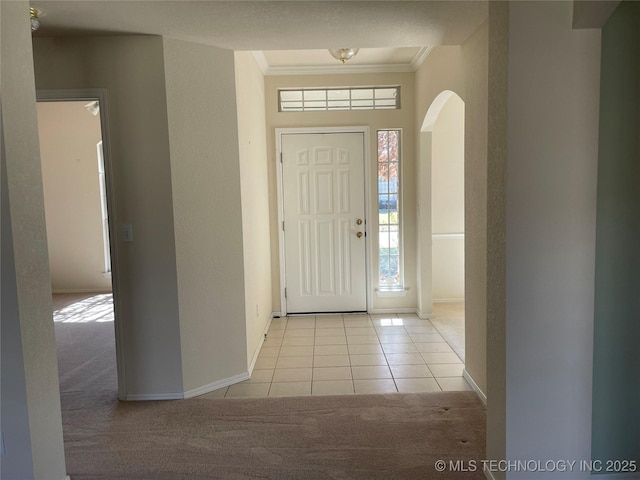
324 222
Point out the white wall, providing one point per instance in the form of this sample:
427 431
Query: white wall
375 119
205 179
447 168
553 97
447 201
254 181
132 70
448 268
31 419
68 138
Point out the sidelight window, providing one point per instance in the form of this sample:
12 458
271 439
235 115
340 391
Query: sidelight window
389 212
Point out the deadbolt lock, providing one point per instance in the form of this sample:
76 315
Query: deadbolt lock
359 221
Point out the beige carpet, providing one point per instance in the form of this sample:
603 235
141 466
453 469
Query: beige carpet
394 436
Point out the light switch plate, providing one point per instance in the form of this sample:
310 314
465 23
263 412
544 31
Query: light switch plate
127 232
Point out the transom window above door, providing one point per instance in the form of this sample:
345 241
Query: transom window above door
328 99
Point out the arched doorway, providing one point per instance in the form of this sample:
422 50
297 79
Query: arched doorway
441 239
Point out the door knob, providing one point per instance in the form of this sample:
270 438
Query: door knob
359 221
359 234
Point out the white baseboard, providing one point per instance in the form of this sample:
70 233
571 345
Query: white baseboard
448 300
254 359
225 382
144 397
276 315
424 316
474 386
195 392
67 477
378 311
81 290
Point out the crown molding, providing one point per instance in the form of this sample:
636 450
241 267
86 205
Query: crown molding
338 69
415 63
420 57
261 60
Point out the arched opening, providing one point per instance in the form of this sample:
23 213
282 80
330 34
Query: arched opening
441 239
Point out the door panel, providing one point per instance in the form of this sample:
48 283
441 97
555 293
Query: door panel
323 189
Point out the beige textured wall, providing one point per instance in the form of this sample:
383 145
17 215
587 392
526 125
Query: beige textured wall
33 442
68 138
475 73
440 72
496 261
462 70
447 205
205 177
375 119
254 182
132 70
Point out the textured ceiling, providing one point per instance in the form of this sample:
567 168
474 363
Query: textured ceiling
271 25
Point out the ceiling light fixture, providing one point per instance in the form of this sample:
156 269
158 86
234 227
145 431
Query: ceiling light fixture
35 14
343 54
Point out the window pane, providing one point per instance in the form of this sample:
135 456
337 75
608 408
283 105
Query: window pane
385 103
389 240
392 203
394 268
315 104
386 93
383 98
338 94
315 94
338 104
383 146
393 177
393 146
394 241
291 105
384 243
290 95
363 93
384 270
383 178
363 104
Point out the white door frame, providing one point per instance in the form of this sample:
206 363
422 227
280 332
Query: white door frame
100 94
367 210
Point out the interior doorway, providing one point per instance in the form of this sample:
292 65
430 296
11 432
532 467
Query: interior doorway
78 200
442 218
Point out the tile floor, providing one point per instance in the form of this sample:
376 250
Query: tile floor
347 354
